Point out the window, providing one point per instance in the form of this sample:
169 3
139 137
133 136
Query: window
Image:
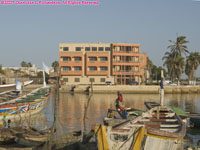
66 68
102 80
76 79
94 48
100 49
65 48
77 68
77 58
93 68
107 49
65 79
78 48
136 68
103 58
136 50
66 59
136 59
102 68
92 79
92 58
87 48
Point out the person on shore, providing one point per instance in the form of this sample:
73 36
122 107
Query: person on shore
119 96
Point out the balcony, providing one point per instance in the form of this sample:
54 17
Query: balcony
71 72
71 63
122 53
97 73
97 63
127 73
128 63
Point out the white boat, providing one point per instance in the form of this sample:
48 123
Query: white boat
8 87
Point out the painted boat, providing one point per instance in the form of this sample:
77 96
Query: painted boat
8 95
179 111
193 119
159 128
24 105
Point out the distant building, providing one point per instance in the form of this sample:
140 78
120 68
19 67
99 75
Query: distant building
83 63
21 71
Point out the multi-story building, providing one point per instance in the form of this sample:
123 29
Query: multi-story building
127 63
83 63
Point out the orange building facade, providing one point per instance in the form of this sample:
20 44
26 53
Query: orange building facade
83 63
128 64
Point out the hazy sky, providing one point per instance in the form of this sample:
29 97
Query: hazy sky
33 33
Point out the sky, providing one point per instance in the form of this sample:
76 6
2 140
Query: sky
32 33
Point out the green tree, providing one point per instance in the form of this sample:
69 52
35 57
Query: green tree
23 64
29 64
149 67
156 72
1 70
178 47
175 66
173 60
192 63
55 65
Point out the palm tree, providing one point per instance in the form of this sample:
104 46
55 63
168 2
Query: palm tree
192 63
173 59
169 61
179 65
175 65
178 47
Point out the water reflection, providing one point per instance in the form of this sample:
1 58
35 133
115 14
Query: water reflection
71 107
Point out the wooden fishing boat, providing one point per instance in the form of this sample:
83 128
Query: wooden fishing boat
24 105
158 128
24 136
32 138
8 95
194 120
6 136
7 87
11 87
179 111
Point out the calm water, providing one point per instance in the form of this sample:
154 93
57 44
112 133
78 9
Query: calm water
71 109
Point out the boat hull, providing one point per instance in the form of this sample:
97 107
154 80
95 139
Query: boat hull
159 128
27 105
7 87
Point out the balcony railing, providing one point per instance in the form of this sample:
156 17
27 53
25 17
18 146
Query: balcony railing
121 61
114 51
